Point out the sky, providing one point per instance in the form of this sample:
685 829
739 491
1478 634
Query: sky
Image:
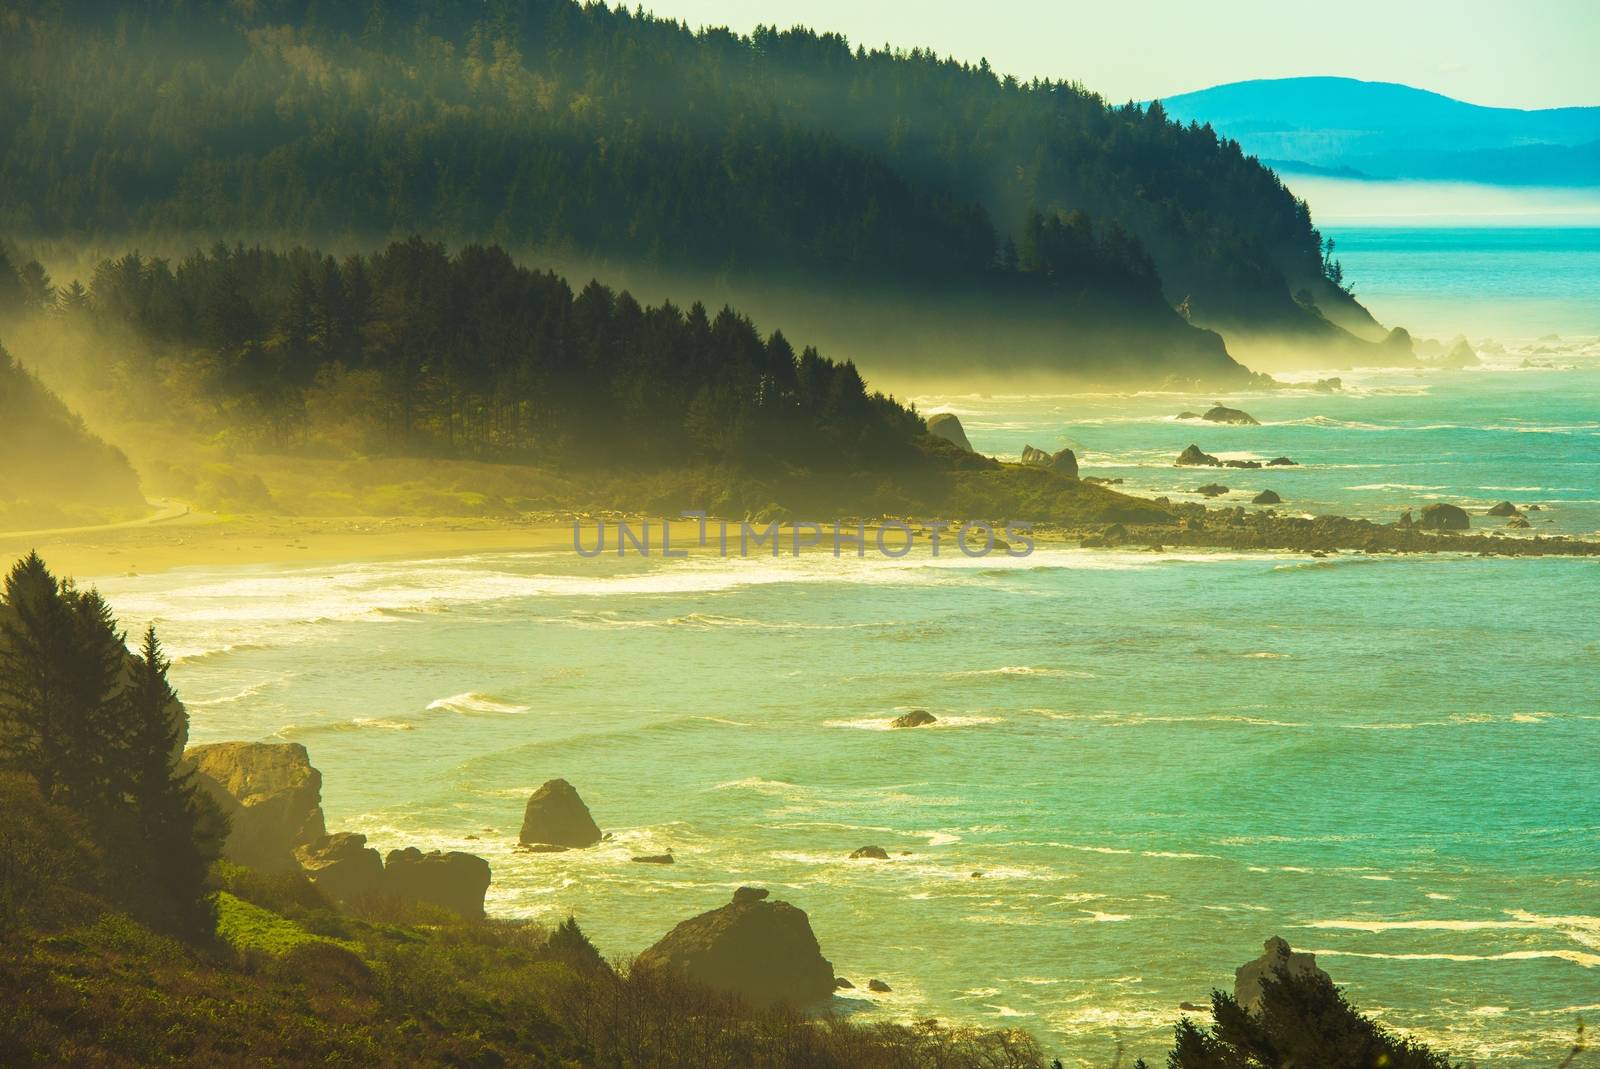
1530 54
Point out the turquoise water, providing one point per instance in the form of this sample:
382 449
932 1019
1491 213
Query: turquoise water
1156 761
1483 281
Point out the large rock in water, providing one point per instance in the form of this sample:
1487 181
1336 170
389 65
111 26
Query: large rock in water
1277 959
455 881
342 866
556 816
1224 414
271 795
763 951
916 718
1442 517
1194 458
945 425
1062 462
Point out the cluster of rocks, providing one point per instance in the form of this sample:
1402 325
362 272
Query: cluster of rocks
1195 457
1062 462
273 799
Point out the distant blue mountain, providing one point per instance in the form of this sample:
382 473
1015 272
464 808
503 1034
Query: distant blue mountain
1352 128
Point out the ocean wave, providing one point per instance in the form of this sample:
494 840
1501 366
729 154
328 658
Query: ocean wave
1023 671
360 723
473 702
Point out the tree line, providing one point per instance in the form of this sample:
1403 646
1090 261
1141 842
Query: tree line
470 354
599 130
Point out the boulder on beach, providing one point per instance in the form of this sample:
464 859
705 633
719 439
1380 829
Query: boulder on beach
556 816
914 719
1212 490
342 866
945 425
876 853
1281 462
270 794
1266 497
1062 462
763 951
1442 517
1276 959
1193 457
1223 414
454 881
1505 508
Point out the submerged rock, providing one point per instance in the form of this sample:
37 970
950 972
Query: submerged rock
945 425
877 853
1442 517
1518 523
556 816
878 985
1505 508
1212 490
1277 959
841 984
454 881
1062 462
1224 414
271 795
655 859
1188 415
1193 457
763 951
914 719
1266 497
1241 463
342 866
1281 462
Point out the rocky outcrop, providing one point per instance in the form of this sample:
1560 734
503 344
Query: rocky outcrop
271 795
945 425
1281 462
1241 463
1212 490
876 853
1062 462
1188 415
1192 457
878 986
914 719
1505 508
1224 414
342 866
1442 517
1266 497
1277 959
1328 385
1518 523
1459 355
763 951
556 816
453 881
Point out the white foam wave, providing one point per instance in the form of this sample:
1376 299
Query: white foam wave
473 702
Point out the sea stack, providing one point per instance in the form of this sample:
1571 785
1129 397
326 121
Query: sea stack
556 816
762 951
1277 959
945 425
270 794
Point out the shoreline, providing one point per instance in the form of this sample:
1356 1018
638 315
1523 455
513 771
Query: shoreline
168 541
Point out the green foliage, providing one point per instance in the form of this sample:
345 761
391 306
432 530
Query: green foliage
246 926
613 133
99 733
1302 1020
46 452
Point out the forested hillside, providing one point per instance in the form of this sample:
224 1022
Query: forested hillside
49 461
785 158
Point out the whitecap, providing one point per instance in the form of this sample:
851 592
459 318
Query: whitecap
474 702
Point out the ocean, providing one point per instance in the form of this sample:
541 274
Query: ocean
1145 764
